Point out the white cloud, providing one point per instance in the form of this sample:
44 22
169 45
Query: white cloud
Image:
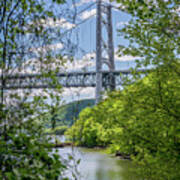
177 10
82 2
87 14
122 23
29 94
89 56
87 61
75 94
125 58
48 47
55 46
50 22
33 66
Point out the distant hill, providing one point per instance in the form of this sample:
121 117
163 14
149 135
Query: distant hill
69 112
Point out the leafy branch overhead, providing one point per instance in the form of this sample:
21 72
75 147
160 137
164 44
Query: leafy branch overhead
153 31
25 151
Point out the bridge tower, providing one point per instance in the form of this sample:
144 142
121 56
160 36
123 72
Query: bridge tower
109 61
98 52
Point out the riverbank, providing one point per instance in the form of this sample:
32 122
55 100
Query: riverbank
95 149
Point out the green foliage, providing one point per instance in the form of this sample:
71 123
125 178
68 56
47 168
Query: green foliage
153 31
142 121
25 155
58 130
25 151
149 112
86 131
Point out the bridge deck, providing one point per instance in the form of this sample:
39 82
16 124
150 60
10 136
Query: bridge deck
70 79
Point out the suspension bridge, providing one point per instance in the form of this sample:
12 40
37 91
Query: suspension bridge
99 78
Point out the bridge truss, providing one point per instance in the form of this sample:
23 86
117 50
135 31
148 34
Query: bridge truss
70 79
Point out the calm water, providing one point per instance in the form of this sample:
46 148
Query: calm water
96 165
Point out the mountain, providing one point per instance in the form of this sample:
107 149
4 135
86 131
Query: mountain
69 112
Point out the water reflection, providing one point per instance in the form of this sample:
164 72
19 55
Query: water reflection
95 165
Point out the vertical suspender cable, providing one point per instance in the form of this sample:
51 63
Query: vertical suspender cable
110 47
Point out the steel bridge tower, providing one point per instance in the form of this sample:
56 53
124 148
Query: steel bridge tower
109 47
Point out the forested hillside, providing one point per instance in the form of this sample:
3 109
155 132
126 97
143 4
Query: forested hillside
67 114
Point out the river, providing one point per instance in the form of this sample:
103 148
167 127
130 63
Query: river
96 165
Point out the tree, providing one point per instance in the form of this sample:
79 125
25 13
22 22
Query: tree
153 32
153 35
25 152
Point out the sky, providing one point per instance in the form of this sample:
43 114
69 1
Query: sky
87 44
82 32
87 30
83 35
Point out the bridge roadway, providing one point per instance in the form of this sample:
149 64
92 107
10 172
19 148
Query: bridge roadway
70 79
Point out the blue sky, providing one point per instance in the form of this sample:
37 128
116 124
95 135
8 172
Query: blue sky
84 36
81 30
87 43
87 30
